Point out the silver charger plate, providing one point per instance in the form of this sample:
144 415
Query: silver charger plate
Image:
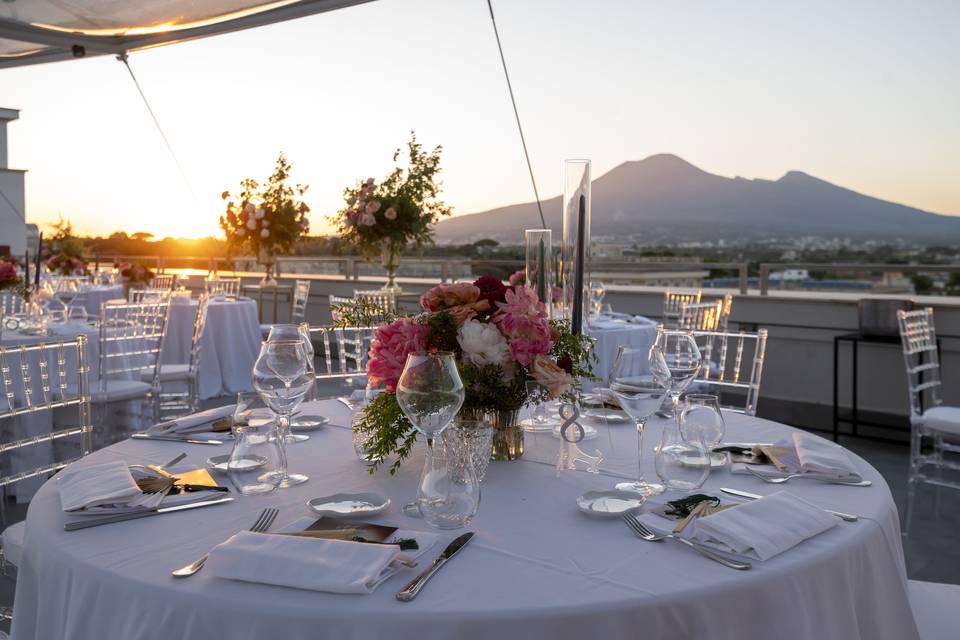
304 422
609 504
349 504
219 463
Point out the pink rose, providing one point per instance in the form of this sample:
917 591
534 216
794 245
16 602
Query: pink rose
547 373
369 182
518 278
444 296
391 345
462 313
373 207
390 213
367 219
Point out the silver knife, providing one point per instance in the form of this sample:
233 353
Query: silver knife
848 517
133 515
410 591
170 438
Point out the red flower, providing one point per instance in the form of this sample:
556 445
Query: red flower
492 289
565 362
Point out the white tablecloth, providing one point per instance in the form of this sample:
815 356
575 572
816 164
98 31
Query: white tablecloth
537 568
613 334
229 346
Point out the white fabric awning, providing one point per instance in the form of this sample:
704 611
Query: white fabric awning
35 31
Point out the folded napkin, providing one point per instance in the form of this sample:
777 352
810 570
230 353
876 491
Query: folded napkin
315 564
194 423
761 529
94 485
820 456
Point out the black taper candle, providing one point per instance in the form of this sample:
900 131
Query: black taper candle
26 268
576 322
36 276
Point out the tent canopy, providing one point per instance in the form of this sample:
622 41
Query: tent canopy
35 31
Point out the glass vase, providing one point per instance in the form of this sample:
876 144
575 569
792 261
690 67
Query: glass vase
539 265
470 439
507 435
449 492
269 262
390 254
575 248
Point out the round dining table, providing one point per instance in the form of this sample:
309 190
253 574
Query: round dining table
536 568
229 345
92 297
611 333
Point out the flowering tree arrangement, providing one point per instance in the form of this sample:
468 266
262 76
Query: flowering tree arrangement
66 251
136 273
500 337
266 220
10 279
67 265
382 219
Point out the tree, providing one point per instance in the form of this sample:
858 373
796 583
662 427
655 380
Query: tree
141 236
922 284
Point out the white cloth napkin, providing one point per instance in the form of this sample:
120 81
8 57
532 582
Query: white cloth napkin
98 484
820 456
336 566
194 423
761 528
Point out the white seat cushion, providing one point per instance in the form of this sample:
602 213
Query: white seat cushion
942 418
170 373
117 390
13 542
936 609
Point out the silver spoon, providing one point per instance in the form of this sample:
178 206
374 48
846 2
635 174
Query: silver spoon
782 479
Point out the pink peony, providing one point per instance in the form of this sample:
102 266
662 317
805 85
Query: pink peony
391 345
521 301
531 338
390 213
444 296
518 278
551 376
367 219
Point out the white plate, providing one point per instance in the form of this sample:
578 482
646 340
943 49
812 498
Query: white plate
609 504
606 415
309 422
219 463
689 459
532 426
349 504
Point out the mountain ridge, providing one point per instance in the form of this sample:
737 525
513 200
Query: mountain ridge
664 198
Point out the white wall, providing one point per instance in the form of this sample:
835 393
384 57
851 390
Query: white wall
13 229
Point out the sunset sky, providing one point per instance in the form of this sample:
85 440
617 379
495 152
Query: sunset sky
863 94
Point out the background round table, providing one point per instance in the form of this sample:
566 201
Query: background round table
229 345
611 334
94 296
537 568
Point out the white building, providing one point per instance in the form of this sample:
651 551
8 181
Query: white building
13 227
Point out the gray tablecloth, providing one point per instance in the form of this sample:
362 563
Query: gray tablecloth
537 568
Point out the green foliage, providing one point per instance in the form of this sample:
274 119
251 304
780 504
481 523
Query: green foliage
579 349
443 331
360 312
390 431
488 389
411 196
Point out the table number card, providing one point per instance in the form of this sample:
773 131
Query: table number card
571 433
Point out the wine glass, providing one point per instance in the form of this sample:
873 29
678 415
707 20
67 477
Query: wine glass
298 332
701 415
282 376
674 362
597 291
640 396
430 393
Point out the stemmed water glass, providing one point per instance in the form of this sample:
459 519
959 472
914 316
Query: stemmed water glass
674 362
597 292
298 332
430 393
282 376
640 396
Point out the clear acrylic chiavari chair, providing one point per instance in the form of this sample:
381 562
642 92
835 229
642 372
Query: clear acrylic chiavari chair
147 294
726 307
301 296
337 304
671 305
11 303
700 316
184 397
226 287
385 303
131 336
42 378
732 367
931 422
340 354
164 281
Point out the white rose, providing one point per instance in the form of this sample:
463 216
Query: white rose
252 224
265 234
260 213
483 344
241 232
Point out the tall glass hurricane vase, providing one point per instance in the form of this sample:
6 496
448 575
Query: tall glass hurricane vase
282 376
430 393
539 264
575 249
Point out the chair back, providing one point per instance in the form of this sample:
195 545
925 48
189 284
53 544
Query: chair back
732 367
227 287
11 303
131 335
149 294
671 305
198 325
341 352
301 296
43 377
336 304
378 302
918 336
726 307
700 316
163 281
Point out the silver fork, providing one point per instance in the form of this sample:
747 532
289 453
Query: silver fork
262 524
827 479
638 528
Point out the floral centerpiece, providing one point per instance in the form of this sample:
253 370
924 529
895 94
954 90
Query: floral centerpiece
66 251
501 338
266 220
382 219
137 274
11 280
67 265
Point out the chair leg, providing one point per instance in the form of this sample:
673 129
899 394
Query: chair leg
911 497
